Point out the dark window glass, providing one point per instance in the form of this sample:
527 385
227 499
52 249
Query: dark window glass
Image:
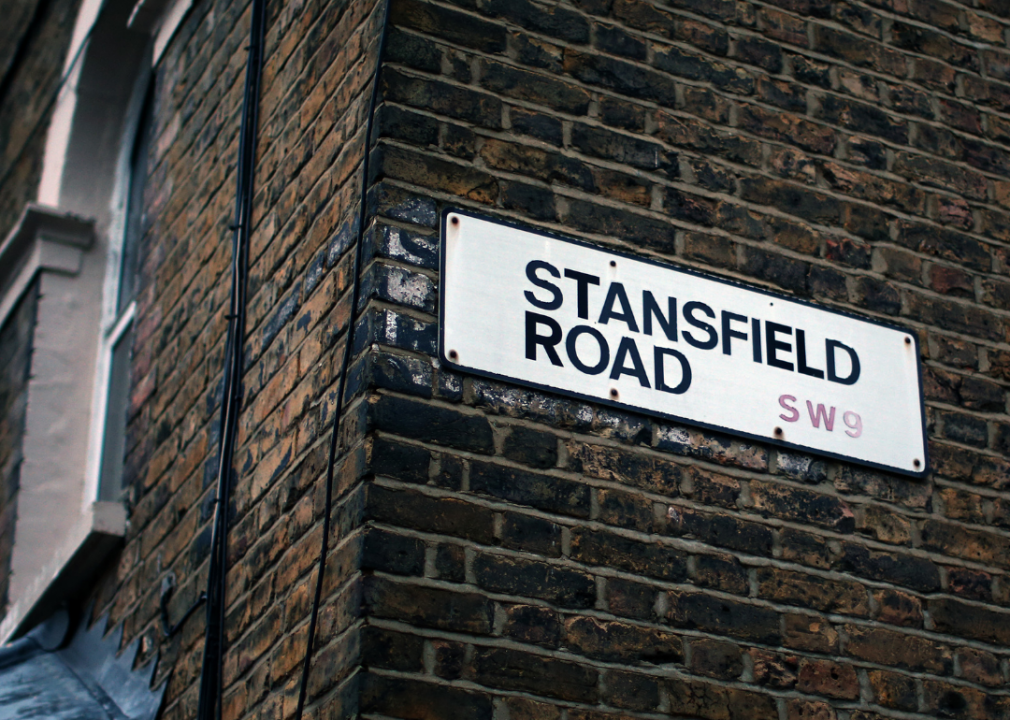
121 339
134 230
114 434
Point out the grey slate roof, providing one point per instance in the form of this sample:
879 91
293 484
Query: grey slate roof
42 676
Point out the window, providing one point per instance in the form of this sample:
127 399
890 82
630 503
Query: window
81 244
116 342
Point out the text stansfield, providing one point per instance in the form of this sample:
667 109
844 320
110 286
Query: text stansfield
707 326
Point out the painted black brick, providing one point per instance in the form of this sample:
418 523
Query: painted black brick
432 423
544 492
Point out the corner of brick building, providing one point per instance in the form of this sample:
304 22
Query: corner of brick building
527 555
317 73
503 553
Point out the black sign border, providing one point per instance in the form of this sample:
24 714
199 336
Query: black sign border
446 212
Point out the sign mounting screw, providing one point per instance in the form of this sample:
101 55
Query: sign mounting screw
454 220
613 393
778 432
908 341
916 463
613 263
453 355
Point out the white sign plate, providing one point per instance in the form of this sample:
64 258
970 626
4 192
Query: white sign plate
570 317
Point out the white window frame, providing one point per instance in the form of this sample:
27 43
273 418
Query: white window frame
113 326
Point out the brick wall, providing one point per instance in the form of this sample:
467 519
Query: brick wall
499 552
528 556
35 38
319 59
15 365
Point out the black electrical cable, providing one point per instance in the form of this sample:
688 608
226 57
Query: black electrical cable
331 461
209 703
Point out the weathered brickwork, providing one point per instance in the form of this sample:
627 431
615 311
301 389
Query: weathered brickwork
33 45
503 553
15 367
561 557
319 60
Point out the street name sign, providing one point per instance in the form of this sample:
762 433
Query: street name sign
565 316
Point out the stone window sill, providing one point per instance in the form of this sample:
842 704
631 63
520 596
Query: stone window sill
84 549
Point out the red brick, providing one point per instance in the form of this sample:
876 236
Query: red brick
895 649
823 677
